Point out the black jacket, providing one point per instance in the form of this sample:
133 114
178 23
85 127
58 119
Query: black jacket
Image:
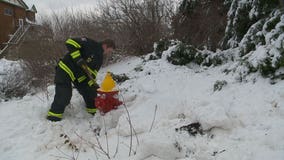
88 50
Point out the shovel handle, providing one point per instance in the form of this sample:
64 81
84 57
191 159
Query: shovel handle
85 68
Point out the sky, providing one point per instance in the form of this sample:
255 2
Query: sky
47 6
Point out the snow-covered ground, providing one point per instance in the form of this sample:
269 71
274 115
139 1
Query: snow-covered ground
243 121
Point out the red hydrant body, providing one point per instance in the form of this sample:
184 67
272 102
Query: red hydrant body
107 101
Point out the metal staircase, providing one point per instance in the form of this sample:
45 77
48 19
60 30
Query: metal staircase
16 37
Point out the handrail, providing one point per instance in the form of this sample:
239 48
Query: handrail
25 30
16 37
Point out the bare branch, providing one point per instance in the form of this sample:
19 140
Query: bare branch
156 107
130 126
116 150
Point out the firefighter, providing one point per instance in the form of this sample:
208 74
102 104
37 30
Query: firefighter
78 67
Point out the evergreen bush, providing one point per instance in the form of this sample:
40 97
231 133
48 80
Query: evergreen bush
242 15
183 55
270 24
161 46
215 60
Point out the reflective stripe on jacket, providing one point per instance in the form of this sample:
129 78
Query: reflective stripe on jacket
82 48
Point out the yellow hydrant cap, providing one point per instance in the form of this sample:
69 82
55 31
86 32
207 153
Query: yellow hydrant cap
108 83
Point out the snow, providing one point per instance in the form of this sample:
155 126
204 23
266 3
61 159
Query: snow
7 67
14 2
10 73
258 55
242 121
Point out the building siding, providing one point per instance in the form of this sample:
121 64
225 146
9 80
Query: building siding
20 13
31 16
7 25
10 23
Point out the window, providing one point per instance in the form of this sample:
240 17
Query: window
21 22
8 11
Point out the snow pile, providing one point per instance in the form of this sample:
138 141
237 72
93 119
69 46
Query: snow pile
239 121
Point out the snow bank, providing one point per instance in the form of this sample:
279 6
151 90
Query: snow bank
240 121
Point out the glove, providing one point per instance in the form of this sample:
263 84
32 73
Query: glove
81 62
96 86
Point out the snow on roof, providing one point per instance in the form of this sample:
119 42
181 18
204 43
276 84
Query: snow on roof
23 4
19 3
33 9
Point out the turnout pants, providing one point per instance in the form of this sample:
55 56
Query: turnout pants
63 93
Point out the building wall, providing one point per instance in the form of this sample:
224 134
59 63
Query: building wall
20 13
9 23
31 16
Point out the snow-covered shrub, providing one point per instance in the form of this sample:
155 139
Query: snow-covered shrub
219 85
15 79
271 23
215 59
253 38
119 78
268 56
261 33
269 66
183 55
261 49
200 57
242 15
161 46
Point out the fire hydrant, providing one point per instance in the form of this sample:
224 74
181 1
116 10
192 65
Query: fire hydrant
107 98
